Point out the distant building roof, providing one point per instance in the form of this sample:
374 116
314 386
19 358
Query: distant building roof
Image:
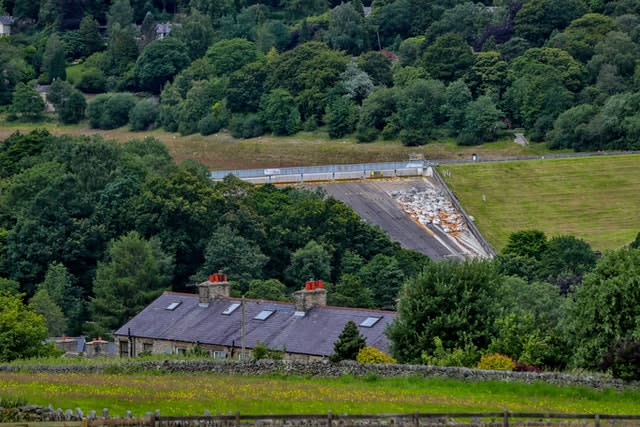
7 20
163 30
180 317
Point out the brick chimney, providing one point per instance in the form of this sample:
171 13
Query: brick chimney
314 294
217 286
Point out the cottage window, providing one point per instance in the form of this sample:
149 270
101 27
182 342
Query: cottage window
124 349
181 350
147 347
219 354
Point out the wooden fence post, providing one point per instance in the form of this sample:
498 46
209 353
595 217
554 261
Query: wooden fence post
597 420
505 418
238 418
329 419
416 419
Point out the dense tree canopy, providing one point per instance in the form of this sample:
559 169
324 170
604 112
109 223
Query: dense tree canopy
410 70
606 307
455 302
159 62
134 273
536 60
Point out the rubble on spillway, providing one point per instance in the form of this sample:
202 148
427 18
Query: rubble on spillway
431 207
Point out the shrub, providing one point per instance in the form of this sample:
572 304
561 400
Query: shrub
95 108
623 359
261 351
246 126
496 362
366 134
209 125
523 367
144 115
92 81
373 355
69 102
111 110
466 357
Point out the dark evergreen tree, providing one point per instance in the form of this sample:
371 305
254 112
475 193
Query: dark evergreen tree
53 60
349 343
90 35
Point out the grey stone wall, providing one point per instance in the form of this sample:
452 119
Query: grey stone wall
323 368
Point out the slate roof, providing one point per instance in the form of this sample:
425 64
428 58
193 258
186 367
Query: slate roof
6 20
311 334
164 29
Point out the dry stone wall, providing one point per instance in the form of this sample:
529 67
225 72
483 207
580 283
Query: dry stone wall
324 368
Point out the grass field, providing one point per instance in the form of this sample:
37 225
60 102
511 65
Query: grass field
221 151
595 199
192 394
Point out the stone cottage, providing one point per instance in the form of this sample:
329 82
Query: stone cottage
223 326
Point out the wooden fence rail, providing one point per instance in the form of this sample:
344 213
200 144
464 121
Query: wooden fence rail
459 419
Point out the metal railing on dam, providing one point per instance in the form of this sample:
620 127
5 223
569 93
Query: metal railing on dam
327 172
380 170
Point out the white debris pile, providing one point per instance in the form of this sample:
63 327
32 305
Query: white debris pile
430 207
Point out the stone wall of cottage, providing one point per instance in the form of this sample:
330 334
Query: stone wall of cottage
159 347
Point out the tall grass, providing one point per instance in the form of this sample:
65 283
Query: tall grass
192 394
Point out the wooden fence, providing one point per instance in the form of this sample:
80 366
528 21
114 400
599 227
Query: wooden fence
462 419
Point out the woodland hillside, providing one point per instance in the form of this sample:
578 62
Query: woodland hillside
415 70
91 230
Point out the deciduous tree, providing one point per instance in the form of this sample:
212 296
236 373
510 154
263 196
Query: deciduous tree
280 113
68 102
448 58
270 290
237 256
159 63
227 56
454 301
607 306
196 32
312 261
27 101
22 330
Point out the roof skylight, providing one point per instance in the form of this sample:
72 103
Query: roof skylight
264 314
173 305
233 307
369 322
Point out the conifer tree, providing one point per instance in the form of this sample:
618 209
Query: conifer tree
349 343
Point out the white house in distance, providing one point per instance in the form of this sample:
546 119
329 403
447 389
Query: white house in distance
5 25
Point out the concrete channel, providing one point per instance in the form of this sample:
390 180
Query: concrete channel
406 199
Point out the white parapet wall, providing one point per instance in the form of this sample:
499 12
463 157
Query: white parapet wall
330 172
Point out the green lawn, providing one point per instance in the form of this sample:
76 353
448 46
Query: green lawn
192 394
595 199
